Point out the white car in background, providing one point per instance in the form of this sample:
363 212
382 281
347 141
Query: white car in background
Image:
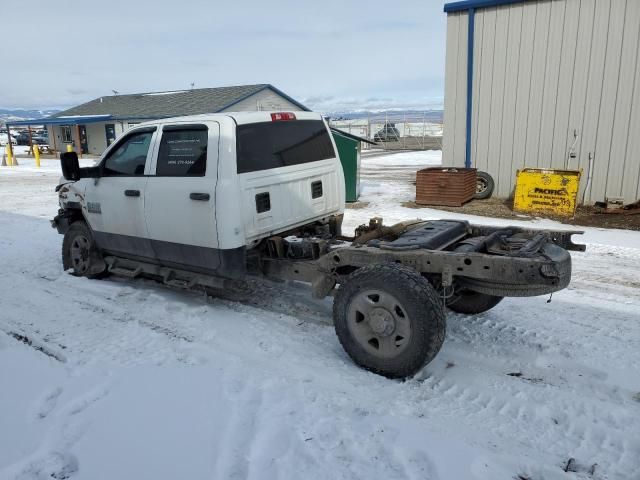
4 139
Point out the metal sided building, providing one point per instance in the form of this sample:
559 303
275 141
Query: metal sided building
549 84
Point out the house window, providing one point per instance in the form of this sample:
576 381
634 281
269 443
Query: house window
65 132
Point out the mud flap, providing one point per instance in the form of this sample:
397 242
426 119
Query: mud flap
98 265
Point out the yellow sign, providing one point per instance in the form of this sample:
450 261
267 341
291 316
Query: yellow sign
547 191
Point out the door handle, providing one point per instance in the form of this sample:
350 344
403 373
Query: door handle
199 196
132 193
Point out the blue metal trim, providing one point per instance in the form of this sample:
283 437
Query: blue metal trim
468 4
470 41
60 121
279 92
148 118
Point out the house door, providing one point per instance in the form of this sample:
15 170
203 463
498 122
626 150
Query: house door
84 145
110 132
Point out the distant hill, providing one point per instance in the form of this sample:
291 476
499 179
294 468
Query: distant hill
20 114
434 116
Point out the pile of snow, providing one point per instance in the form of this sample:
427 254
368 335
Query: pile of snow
155 94
415 160
129 379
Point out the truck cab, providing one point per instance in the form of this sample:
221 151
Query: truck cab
197 192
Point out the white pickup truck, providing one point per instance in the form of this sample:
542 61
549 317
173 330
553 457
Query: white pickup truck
208 201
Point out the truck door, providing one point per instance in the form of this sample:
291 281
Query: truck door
115 201
180 208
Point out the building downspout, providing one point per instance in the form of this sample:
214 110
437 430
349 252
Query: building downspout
470 35
589 177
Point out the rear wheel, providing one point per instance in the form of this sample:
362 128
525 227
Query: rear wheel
470 302
389 319
79 252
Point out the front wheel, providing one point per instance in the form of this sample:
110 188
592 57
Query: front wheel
389 319
79 252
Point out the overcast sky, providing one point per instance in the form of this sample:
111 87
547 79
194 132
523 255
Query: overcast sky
330 55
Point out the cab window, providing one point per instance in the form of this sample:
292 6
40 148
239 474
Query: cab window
265 145
130 156
183 151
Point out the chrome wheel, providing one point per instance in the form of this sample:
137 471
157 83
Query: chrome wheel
379 323
79 254
481 184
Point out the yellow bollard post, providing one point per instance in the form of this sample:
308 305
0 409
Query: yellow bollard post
36 154
9 155
69 147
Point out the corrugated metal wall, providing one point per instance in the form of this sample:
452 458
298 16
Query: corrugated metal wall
551 77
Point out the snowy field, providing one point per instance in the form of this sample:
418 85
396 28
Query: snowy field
132 380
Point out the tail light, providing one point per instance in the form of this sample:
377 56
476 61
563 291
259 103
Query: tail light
282 116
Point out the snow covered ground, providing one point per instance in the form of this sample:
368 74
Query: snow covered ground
130 380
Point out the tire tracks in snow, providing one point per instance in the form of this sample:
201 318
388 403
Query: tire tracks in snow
53 457
240 431
576 409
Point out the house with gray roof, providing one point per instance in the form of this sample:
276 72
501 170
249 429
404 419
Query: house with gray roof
92 126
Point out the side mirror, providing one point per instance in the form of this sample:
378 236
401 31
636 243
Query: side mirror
70 166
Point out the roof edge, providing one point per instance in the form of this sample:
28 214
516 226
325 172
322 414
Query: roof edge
266 86
136 94
76 120
295 102
469 4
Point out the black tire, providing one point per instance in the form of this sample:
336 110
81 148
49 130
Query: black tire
470 302
484 185
80 254
415 311
513 290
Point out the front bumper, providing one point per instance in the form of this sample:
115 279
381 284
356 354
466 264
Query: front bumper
61 222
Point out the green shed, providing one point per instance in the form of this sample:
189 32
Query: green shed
349 150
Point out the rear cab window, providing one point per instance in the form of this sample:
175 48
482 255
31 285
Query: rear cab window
266 145
183 151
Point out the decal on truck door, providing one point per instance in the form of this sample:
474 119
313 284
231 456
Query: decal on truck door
94 207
